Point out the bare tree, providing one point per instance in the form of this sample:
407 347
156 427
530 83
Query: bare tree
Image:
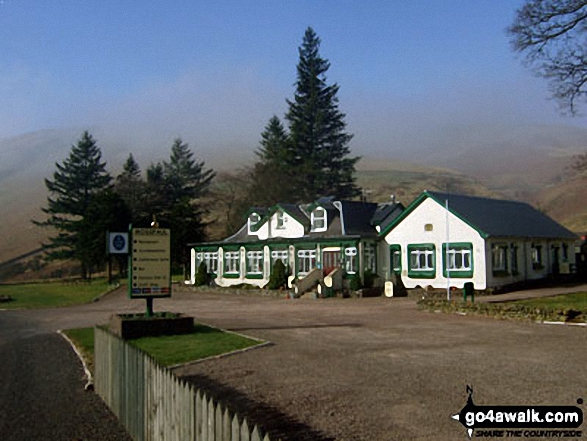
552 36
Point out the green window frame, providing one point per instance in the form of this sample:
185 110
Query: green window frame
232 263
254 264
460 260
395 259
306 261
422 261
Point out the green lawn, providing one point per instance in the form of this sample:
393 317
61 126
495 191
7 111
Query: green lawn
52 294
577 301
172 349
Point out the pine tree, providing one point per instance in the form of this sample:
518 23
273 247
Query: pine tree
271 176
185 182
320 143
132 189
77 180
274 144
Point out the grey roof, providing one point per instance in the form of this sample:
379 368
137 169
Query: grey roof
386 214
503 218
357 217
297 213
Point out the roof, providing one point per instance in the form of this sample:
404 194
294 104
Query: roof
357 217
495 217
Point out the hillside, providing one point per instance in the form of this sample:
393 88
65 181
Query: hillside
526 164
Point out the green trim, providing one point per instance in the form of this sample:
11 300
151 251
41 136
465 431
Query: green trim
416 203
249 275
227 275
458 274
206 248
254 248
231 247
392 249
483 234
421 274
404 214
277 207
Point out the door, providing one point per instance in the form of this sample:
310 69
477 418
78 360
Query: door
330 261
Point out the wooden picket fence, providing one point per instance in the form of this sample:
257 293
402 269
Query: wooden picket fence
155 405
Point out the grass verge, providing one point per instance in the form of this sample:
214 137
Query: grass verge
170 350
562 308
52 294
83 339
577 301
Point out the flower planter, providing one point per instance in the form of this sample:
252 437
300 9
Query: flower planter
130 326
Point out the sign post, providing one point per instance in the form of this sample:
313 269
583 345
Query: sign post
117 244
150 265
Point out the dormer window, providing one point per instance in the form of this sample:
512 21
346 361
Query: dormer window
318 219
254 219
280 220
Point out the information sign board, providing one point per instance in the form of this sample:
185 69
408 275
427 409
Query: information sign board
150 263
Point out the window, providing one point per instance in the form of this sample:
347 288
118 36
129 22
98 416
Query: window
565 252
254 262
499 257
280 220
253 220
232 262
537 256
457 259
395 258
211 259
279 255
370 256
421 263
514 258
319 219
306 261
350 260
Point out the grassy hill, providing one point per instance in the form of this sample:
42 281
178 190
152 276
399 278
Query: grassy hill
529 166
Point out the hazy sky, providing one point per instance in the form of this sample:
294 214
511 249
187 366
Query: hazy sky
215 71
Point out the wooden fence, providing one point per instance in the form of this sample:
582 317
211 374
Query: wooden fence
153 404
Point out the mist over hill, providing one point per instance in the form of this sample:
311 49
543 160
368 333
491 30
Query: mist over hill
520 162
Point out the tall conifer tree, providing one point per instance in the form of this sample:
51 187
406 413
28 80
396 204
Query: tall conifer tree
76 182
272 174
185 182
132 189
320 143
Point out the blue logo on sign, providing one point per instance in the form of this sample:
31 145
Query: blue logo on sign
118 242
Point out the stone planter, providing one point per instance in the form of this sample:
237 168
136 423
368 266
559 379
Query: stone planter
129 326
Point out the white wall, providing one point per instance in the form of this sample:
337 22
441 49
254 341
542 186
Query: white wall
291 228
412 230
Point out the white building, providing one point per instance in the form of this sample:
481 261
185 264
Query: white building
485 241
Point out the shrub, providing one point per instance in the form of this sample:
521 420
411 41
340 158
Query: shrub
369 279
202 277
278 277
356 283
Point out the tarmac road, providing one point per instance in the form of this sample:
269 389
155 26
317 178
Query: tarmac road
372 369
42 394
